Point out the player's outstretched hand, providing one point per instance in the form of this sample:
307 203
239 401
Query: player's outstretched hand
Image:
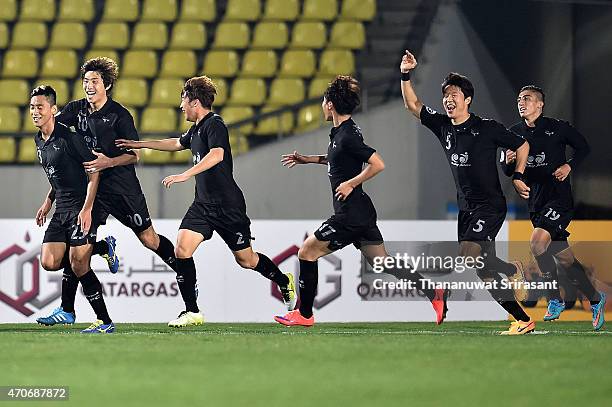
84 220
41 214
101 162
293 159
510 156
127 144
562 172
172 179
343 191
409 62
521 188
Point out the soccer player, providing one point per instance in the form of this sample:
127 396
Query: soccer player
550 200
219 203
61 153
470 144
354 218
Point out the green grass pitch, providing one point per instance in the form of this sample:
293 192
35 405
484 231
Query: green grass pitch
383 364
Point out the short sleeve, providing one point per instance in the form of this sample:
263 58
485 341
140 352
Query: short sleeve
575 139
185 139
68 115
502 137
78 148
125 127
217 135
355 146
433 120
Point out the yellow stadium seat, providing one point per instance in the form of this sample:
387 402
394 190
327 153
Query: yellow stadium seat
337 62
77 89
14 92
61 89
131 92
298 63
9 119
166 92
363 10
159 10
234 114
259 64
7 149
109 53
68 35
286 91
182 156
317 87
282 123
27 126
158 120
247 92
150 36
59 64
242 10
347 34
232 35
272 35
139 64
325 10
178 64
29 35
4 36
8 11
27 150
238 143
309 118
184 125
134 114
111 36
188 36
222 64
281 10
221 96
20 64
198 10
309 34
37 10
155 157
76 10
120 10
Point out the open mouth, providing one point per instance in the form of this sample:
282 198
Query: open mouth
522 110
450 109
90 93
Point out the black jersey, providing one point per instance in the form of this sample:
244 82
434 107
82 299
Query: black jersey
547 144
215 185
100 130
62 157
471 151
346 155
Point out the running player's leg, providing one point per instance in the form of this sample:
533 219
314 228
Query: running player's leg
577 274
312 249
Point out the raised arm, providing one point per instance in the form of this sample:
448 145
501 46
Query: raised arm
295 158
411 101
375 165
168 144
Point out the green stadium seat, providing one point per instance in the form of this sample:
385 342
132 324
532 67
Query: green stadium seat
139 64
259 64
61 89
178 64
131 92
159 10
20 64
271 126
4 36
7 149
29 35
188 36
198 10
221 96
221 64
234 114
134 114
14 92
232 35
318 86
309 118
76 10
109 53
325 10
298 63
150 36
362 10
166 92
148 156
9 119
8 11
158 120
309 34
347 34
281 10
111 36
27 151
120 10
238 143
286 91
270 35
336 62
77 89
242 10
182 156
68 35
37 10
247 92
59 64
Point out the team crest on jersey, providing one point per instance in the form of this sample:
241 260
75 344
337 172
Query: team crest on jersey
474 132
539 160
549 133
461 160
430 110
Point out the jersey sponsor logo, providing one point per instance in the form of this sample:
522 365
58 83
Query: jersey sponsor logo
460 160
538 160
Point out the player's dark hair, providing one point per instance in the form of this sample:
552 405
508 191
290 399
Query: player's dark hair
535 89
46 91
201 88
343 92
462 82
108 69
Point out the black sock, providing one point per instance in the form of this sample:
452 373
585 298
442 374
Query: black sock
100 248
499 266
576 272
548 268
186 279
92 288
70 284
165 251
502 297
515 310
402 274
309 278
269 270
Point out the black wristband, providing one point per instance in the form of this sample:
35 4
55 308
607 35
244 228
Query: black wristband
405 76
517 175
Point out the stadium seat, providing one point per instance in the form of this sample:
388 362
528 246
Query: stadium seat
27 150
336 62
76 10
139 64
120 10
178 64
298 63
7 149
238 143
134 114
60 86
37 10
242 10
9 119
184 125
232 35
148 156
362 10
259 64
247 92
4 36
14 92
222 64
150 36
182 156
159 10
309 35
131 92
282 123
68 35
281 10
318 86
234 114
27 126
198 10
8 11
29 35
158 120
286 91
347 34
59 64
221 96
309 118
188 36
111 36
166 92
20 64
325 10
270 35
109 53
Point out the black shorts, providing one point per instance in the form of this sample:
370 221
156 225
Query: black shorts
130 210
480 225
63 228
339 233
555 221
232 224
